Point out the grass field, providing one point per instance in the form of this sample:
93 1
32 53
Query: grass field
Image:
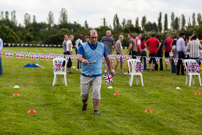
59 107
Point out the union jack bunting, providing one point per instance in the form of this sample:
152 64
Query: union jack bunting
18 44
103 58
21 55
138 57
37 56
166 60
192 67
139 67
118 57
129 57
21 44
13 44
58 66
27 55
47 57
108 78
9 45
52 57
1 53
17 55
32 56
112 57
6 54
72 57
11 54
157 60
147 59
41 56
175 61
123 57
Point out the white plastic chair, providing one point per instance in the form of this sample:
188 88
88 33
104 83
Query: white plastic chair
191 74
62 72
132 64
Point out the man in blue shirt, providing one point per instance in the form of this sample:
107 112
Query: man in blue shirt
90 55
1 46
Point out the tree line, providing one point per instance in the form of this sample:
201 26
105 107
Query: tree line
50 33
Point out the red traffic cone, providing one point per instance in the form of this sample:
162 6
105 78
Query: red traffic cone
148 110
197 93
16 94
117 93
31 111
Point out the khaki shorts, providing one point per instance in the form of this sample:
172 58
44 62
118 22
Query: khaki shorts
86 82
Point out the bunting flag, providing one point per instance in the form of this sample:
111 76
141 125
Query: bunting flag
9 44
13 44
157 60
72 58
17 55
60 56
4 43
46 45
118 58
103 58
27 55
37 56
56 55
11 54
166 60
18 44
21 44
138 57
52 57
41 56
6 54
139 67
42 45
112 57
47 57
175 61
1 52
30 44
123 57
129 57
147 59
26 44
183 61
38 44
21 55
32 56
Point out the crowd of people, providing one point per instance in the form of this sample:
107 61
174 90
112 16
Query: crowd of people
180 48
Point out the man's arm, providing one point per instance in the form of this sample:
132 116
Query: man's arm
159 46
70 48
164 43
81 59
109 65
130 47
117 49
188 47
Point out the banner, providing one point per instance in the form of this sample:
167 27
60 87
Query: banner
118 57
21 55
166 60
147 59
175 61
157 60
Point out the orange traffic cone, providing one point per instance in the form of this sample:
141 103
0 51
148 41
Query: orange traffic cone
117 93
31 111
197 93
16 94
148 110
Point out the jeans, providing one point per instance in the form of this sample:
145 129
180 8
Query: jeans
173 67
144 54
160 62
1 68
180 65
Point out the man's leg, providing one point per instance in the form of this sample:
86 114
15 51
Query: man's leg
85 88
96 86
105 66
121 65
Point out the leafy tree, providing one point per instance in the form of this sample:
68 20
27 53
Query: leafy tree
13 18
176 24
137 22
116 23
183 22
63 16
86 25
198 18
27 19
151 27
34 18
129 23
159 23
172 20
144 20
166 22
193 19
2 15
7 15
50 19
104 22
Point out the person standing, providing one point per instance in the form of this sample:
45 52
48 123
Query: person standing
167 44
85 39
64 43
110 43
132 49
194 47
90 55
138 43
160 55
78 43
119 50
1 46
152 47
181 53
69 52
174 50
144 53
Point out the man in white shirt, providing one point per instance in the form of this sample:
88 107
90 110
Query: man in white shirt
78 43
1 46
69 52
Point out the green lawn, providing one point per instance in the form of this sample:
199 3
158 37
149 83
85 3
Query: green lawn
59 107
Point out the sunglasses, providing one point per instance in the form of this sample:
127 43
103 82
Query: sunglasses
93 37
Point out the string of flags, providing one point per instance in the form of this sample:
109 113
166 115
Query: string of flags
26 44
20 55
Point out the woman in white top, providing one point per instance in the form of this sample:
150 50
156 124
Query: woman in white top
69 52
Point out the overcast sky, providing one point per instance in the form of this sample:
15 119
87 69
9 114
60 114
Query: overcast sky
94 10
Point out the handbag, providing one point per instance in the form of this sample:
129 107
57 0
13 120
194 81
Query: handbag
171 54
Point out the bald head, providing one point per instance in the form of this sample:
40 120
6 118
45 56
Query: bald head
108 33
93 35
121 37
